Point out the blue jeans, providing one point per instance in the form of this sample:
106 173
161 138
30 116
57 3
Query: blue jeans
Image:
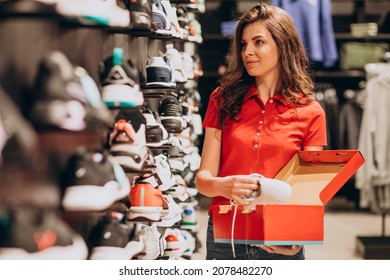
223 251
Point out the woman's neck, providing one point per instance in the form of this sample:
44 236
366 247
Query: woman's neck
267 88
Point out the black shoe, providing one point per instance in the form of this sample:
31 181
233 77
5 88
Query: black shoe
140 14
67 98
120 80
171 114
35 233
113 238
92 182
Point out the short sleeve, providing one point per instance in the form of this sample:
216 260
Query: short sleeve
316 129
212 115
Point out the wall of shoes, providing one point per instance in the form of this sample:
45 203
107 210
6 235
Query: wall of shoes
99 128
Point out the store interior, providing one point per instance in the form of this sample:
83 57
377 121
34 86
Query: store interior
80 160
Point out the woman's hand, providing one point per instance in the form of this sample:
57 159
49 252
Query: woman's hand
237 186
283 250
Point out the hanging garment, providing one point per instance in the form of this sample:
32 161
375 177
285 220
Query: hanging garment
374 138
313 20
350 117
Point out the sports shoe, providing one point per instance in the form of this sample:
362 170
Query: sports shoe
32 233
159 73
128 145
140 14
175 243
66 97
114 239
179 190
94 12
171 114
156 134
188 217
195 31
146 200
172 16
120 81
177 63
182 19
174 214
176 156
162 24
190 243
270 191
154 243
92 181
164 172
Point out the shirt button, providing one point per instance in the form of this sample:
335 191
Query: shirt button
271 101
263 111
256 146
260 122
258 134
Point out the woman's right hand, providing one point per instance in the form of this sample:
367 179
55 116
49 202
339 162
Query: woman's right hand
237 186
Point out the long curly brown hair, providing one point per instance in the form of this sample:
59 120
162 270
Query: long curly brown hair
294 63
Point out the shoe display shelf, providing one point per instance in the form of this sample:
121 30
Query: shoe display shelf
33 30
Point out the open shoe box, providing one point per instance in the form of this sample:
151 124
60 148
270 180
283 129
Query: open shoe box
315 177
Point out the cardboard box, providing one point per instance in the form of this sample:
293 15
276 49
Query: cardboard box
315 177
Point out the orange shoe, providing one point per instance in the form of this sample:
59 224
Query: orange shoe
146 200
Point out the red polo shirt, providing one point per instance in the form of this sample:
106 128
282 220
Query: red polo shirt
266 136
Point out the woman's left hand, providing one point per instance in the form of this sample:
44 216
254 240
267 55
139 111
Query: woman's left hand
283 250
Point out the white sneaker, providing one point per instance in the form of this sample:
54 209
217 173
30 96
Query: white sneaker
271 191
163 170
172 16
188 217
177 63
174 214
151 237
190 243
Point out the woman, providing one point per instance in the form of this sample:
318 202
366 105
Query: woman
262 114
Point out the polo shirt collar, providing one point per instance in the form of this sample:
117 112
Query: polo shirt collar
252 92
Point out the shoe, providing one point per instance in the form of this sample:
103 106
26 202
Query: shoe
175 155
172 17
32 233
140 14
179 190
195 31
159 73
94 12
114 239
174 214
163 171
171 114
120 82
66 98
162 24
156 134
146 200
177 63
127 143
175 243
154 244
182 19
190 243
188 217
93 181
270 191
